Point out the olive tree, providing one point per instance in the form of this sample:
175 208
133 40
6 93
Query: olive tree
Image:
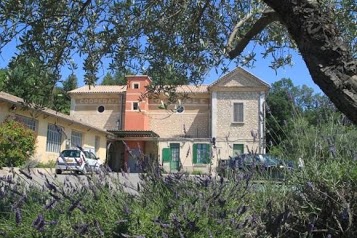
185 39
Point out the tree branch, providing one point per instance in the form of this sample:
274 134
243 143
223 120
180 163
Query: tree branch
259 25
235 30
85 4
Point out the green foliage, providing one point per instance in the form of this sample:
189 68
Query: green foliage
193 206
323 200
175 205
61 98
190 36
30 79
116 79
49 164
62 210
316 201
2 79
285 102
17 143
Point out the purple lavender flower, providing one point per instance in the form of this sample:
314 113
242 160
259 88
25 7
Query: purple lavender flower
50 205
54 196
18 216
27 175
53 222
221 202
344 214
19 203
82 208
310 185
39 223
81 229
74 205
50 186
40 173
241 210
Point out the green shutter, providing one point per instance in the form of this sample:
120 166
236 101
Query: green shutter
166 155
238 147
208 154
194 154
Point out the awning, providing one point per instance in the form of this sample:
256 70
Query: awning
123 134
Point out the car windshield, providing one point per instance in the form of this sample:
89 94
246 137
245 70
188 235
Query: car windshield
70 153
271 159
89 155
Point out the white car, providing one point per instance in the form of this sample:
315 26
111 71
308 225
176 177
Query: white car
77 160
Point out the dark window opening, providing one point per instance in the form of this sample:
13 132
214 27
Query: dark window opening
101 109
135 106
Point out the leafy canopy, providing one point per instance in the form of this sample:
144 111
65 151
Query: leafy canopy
287 102
185 37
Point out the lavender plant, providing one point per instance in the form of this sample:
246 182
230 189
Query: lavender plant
318 200
322 201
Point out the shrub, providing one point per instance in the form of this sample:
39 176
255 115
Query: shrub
322 201
17 143
180 205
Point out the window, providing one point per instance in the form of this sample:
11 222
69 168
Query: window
54 138
76 139
136 86
201 153
238 112
27 121
101 109
135 106
238 149
180 109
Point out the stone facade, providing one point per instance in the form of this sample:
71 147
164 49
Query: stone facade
180 134
100 110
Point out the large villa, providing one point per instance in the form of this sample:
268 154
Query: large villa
206 123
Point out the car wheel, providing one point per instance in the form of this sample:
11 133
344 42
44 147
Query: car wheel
58 171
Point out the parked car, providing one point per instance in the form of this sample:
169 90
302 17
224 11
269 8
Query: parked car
77 160
262 163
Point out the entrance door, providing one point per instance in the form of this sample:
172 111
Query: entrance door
175 157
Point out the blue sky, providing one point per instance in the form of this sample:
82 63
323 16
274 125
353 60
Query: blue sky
298 73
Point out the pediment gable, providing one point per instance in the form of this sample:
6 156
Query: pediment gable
239 78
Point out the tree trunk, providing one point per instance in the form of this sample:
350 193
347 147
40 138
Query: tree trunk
328 60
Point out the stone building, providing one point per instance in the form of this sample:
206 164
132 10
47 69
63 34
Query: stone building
205 123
